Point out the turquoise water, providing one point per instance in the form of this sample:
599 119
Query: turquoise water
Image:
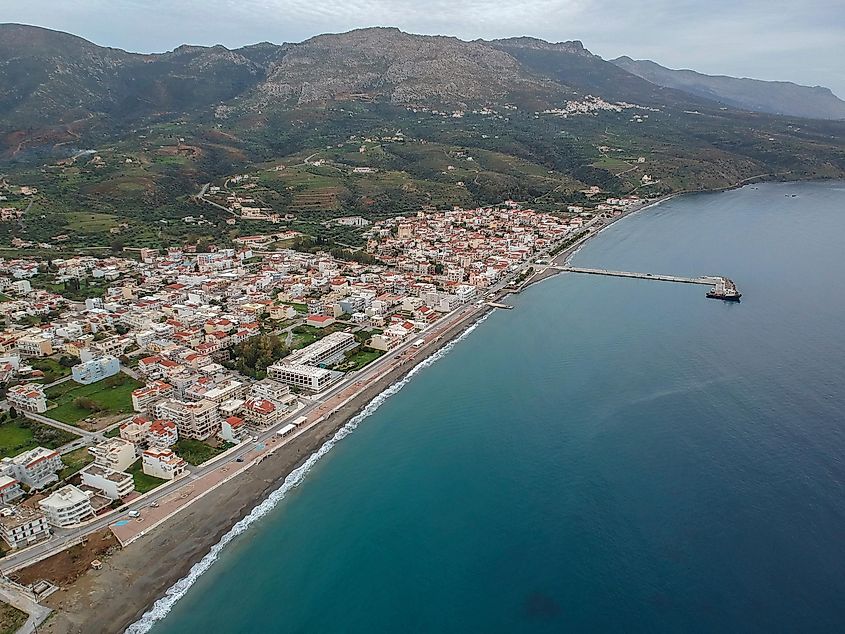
612 455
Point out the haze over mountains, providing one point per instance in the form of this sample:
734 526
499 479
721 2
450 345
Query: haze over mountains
775 97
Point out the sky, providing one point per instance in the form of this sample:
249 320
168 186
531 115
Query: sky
801 41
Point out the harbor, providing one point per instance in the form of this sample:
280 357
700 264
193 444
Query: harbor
721 287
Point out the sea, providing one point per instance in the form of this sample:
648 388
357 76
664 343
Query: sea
612 455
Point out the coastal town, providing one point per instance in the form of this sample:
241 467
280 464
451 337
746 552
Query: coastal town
183 368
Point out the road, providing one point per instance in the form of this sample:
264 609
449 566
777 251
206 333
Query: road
315 411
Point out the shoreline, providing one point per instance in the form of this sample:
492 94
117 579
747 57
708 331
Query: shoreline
564 256
190 536
131 581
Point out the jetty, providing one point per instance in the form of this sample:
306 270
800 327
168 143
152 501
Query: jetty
721 287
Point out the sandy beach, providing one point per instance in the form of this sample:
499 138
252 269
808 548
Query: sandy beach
133 578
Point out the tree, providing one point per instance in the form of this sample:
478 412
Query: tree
83 402
13 413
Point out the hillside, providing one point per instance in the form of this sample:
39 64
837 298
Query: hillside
374 122
773 97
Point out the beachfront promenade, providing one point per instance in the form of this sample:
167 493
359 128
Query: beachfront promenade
172 498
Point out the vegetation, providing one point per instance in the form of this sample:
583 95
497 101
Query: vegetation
11 618
74 461
74 402
196 452
256 353
358 358
52 369
21 434
143 482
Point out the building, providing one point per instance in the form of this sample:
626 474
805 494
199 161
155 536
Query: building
273 390
135 430
113 484
325 351
162 434
28 396
10 489
96 369
319 321
35 468
198 420
145 396
116 454
162 463
233 429
67 506
35 346
261 412
21 526
303 376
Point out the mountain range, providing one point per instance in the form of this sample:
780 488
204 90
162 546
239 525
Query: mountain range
775 97
431 121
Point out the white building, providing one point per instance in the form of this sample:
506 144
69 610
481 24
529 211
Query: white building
303 376
67 506
233 429
21 526
96 369
115 453
27 396
198 420
162 463
35 468
144 397
10 489
113 484
325 350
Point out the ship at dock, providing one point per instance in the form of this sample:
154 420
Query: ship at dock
725 290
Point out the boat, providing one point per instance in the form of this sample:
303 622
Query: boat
725 290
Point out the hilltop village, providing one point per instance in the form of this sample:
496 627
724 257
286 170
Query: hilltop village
122 377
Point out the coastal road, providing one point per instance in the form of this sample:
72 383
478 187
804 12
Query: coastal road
185 490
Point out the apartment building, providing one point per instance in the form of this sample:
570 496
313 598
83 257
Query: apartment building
144 397
233 429
67 506
113 484
162 463
27 396
35 468
162 434
303 376
35 346
21 526
198 419
326 350
260 412
10 489
95 369
116 454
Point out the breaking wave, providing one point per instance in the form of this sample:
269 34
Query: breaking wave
162 607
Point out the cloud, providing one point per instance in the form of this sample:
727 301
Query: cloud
769 39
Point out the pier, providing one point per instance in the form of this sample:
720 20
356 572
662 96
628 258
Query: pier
721 287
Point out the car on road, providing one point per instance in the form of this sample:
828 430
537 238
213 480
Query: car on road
239 459
154 505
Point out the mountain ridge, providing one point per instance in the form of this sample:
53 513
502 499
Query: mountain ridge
758 95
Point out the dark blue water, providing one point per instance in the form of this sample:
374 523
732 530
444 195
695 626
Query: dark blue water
612 455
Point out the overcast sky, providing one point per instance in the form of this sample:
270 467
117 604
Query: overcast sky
801 41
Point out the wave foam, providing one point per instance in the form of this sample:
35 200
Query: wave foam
162 607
